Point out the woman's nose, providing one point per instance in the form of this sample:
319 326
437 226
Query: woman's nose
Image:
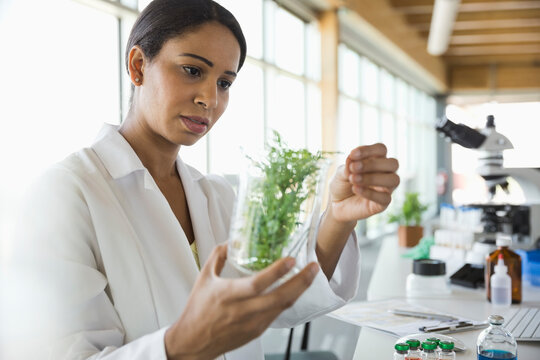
207 96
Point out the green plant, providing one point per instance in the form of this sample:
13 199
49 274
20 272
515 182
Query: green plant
289 178
411 211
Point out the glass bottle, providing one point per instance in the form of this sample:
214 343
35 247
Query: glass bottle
446 350
414 350
429 350
402 349
511 260
495 342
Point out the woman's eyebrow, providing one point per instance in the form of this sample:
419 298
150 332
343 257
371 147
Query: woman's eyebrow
206 61
203 59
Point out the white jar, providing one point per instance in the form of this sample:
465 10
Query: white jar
428 279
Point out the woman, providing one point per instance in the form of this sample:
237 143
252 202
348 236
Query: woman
112 225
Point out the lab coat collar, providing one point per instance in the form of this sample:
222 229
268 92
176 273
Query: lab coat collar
120 159
117 155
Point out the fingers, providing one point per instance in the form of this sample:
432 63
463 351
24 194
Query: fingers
364 152
387 180
286 294
373 165
381 197
257 284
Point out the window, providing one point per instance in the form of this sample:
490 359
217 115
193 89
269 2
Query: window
60 79
377 106
277 89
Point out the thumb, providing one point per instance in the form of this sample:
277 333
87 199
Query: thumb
215 263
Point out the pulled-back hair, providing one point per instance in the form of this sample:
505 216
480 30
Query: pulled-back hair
162 20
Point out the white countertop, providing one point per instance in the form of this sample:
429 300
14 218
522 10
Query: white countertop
388 281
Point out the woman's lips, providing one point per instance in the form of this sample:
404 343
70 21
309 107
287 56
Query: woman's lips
195 124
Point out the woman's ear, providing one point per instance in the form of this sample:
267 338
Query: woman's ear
136 62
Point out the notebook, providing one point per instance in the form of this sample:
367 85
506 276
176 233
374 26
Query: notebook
524 324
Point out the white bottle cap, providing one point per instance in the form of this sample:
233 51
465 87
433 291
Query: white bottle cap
501 267
503 239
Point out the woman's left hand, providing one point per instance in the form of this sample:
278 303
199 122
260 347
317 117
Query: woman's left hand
364 185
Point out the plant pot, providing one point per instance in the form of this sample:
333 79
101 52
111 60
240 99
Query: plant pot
409 236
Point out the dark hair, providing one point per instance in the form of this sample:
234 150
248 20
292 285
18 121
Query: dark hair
162 20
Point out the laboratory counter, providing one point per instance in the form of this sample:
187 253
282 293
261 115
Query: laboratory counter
389 282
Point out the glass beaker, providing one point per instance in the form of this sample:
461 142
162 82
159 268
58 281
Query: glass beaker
277 210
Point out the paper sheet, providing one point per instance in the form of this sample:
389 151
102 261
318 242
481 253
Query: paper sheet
375 314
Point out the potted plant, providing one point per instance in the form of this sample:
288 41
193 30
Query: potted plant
409 218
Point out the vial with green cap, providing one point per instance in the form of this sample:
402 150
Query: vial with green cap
402 349
436 341
428 350
414 350
446 350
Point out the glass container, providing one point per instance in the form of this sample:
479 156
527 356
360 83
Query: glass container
495 342
277 209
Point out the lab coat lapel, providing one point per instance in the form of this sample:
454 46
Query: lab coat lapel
198 210
121 252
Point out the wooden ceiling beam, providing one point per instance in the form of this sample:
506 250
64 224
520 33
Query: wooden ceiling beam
487 24
409 3
492 59
503 31
495 38
533 14
494 50
475 7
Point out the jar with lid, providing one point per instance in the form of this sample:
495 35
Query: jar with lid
427 279
495 342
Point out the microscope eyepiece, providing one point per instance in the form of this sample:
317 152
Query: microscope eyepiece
460 134
490 123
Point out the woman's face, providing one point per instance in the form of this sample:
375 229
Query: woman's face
185 88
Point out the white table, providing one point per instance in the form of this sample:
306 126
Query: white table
388 281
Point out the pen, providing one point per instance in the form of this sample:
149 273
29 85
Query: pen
422 315
455 327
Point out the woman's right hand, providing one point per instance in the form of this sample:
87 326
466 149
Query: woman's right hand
223 314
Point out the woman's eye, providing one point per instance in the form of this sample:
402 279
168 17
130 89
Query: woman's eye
193 71
224 84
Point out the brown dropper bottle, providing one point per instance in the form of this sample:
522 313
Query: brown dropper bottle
511 260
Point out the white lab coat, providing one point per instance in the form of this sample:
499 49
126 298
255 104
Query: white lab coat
109 266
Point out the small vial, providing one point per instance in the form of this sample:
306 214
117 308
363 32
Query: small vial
402 349
414 350
428 350
436 341
446 351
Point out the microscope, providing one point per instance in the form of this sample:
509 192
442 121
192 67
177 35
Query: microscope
522 221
